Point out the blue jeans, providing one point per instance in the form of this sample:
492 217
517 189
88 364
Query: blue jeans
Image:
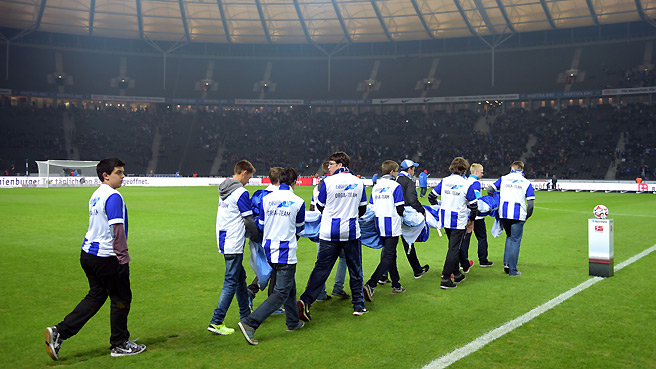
340 274
283 293
328 253
234 283
514 231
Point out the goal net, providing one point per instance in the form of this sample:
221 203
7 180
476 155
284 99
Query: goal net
59 173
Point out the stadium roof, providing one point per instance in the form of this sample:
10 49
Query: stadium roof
313 21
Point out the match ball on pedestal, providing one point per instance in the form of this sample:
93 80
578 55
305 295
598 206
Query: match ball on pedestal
600 211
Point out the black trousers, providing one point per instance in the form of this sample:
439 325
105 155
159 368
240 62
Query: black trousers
387 263
254 287
107 278
456 237
481 235
412 257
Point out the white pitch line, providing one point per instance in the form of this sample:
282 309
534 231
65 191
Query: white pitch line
508 327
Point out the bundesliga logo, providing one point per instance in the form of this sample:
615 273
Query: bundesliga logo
600 211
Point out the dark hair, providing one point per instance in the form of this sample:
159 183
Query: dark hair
244 165
274 175
107 166
340 157
324 167
459 166
288 176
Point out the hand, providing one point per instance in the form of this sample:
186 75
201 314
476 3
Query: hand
470 226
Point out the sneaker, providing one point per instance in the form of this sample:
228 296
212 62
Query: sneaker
299 326
447 284
516 275
342 295
384 281
471 263
303 311
220 329
250 303
485 263
360 311
248 333
424 270
398 289
53 342
368 292
128 348
324 298
458 278
279 311
506 269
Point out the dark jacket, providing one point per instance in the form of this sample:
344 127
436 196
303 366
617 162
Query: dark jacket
410 193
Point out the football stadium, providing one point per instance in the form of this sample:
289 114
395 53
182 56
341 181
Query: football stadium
202 100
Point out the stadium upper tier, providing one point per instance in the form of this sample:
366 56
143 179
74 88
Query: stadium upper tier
544 69
311 21
573 143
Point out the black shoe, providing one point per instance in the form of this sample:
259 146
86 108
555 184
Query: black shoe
303 311
447 284
423 271
384 281
342 295
485 263
471 263
299 326
506 269
360 311
457 278
127 348
53 342
368 292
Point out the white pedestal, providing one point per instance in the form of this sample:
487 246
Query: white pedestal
601 253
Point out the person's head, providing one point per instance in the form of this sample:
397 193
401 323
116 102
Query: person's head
324 167
409 166
338 160
111 171
477 170
244 171
459 166
425 171
288 176
389 167
517 165
274 175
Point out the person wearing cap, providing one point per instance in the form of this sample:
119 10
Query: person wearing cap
423 183
407 181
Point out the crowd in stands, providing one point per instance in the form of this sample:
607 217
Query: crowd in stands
98 131
573 143
638 159
33 134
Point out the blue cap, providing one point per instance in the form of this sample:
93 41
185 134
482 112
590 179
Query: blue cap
407 163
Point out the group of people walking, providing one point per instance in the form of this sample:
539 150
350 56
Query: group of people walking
278 218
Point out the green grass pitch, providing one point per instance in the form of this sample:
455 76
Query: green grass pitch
177 274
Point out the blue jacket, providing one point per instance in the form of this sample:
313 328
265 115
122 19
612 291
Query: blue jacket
423 179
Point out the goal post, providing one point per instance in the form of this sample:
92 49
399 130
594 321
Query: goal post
78 172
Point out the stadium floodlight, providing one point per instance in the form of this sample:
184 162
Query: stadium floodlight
62 168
